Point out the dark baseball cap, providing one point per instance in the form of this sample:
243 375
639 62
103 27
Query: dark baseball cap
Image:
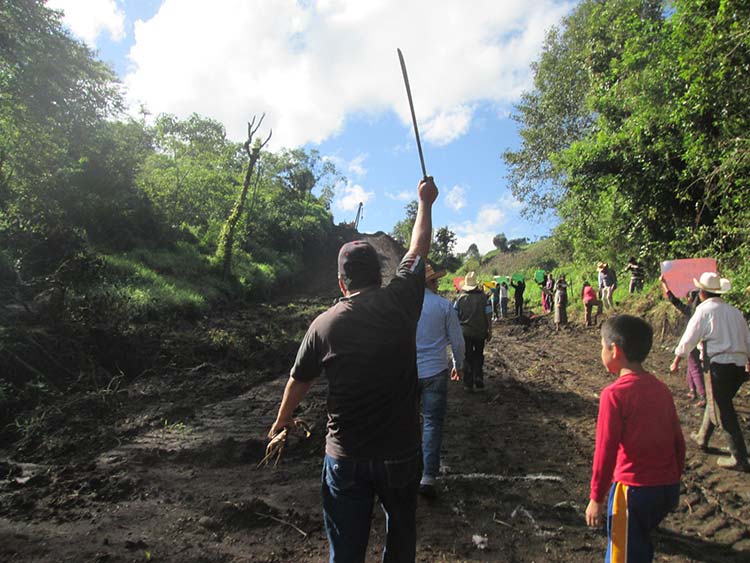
359 265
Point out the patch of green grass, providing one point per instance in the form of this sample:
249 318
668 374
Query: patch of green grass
150 283
145 290
146 283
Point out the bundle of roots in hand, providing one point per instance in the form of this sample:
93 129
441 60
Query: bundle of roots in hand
275 448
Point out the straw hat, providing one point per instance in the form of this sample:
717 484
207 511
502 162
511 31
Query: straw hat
430 274
601 265
711 282
470 282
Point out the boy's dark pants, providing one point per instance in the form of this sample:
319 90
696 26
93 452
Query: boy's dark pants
632 514
473 366
725 381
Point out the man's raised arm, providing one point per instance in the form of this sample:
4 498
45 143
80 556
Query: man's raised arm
421 234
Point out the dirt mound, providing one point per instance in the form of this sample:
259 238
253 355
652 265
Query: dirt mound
321 263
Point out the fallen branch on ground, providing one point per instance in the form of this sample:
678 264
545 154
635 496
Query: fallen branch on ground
280 521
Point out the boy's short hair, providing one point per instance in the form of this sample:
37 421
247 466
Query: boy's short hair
633 335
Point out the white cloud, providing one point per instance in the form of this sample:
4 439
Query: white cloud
310 65
88 19
509 202
489 215
456 198
480 231
356 166
448 125
401 196
351 197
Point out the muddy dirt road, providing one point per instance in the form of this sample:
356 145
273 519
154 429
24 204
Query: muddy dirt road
516 470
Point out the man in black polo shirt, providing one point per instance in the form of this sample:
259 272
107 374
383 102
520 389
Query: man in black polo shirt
366 346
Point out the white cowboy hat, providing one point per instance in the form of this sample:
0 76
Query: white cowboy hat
470 282
711 282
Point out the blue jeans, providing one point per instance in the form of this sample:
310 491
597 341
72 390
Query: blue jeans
434 402
349 489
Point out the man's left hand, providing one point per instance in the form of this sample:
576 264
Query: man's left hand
427 190
456 374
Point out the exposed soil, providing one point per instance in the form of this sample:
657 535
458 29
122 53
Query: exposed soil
164 468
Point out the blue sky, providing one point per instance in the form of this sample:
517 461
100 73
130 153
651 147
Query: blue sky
327 76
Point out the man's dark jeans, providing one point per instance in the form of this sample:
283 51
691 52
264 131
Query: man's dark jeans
349 490
474 362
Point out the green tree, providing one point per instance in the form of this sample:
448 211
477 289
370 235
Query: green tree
501 242
301 172
402 229
711 112
54 98
282 223
103 197
609 73
441 250
517 243
472 253
192 175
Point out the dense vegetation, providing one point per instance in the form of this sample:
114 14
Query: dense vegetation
636 133
101 208
111 227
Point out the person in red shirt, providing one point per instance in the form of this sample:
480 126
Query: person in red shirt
590 299
640 448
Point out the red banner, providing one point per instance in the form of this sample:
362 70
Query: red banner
679 274
458 283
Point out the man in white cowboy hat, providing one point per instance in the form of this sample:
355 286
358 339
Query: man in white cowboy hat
475 315
723 336
437 328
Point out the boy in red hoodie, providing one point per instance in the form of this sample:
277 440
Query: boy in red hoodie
640 449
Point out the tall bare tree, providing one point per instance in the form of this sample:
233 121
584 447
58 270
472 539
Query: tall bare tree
226 239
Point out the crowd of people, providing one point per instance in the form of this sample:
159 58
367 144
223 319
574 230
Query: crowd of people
555 293
384 353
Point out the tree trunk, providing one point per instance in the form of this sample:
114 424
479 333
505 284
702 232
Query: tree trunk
226 239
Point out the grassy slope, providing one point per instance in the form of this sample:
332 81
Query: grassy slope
538 255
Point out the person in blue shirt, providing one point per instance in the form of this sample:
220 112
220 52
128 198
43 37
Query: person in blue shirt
437 328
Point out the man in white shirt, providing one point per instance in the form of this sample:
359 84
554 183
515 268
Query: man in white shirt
723 336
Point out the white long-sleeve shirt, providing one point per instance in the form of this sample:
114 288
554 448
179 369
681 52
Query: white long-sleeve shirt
718 329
